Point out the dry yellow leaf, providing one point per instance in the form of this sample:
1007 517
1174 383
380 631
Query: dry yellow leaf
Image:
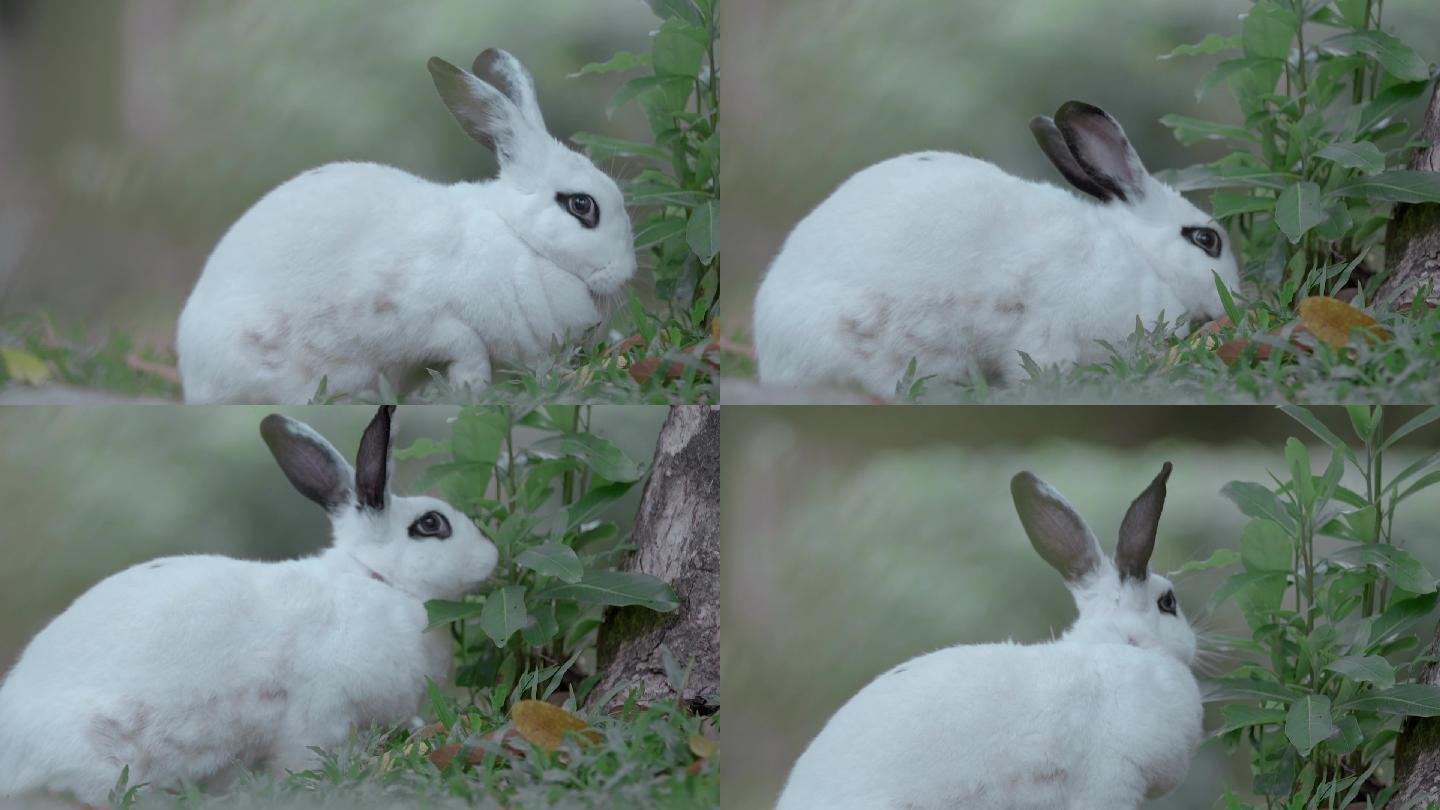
702 746
1332 320
544 725
24 366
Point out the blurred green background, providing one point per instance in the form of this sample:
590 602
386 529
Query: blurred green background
824 88
857 538
133 132
87 492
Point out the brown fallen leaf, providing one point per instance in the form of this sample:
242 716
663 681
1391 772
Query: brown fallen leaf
1332 321
702 746
544 725
445 754
641 370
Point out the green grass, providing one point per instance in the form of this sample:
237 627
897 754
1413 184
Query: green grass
1155 365
76 356
642 759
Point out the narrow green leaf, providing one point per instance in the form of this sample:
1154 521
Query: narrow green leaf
1309 723
1190 130
703 233
1231 203
1366 669
1298 210
1211 44
1314 425
1216 690
1426 417
1265 546
1221 558
441 612
1268 30
1410 700
605 459
616 588
1400 615
552 560
1396 185
1239 715
1364 156
504 613
1398 59
1257 501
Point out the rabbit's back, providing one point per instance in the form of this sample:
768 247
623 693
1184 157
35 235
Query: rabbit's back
1005 726
934 256
324 276
185 666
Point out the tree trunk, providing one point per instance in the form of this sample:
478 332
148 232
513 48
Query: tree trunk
1412 245
1417 750
677 532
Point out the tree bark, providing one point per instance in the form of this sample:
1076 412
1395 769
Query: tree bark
1412 245
677 532
1417 750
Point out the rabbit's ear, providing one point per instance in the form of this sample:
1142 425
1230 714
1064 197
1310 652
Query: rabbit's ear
1052 143
484 112
374 462
1137 530
312 464
1101 150
1055 529
505 73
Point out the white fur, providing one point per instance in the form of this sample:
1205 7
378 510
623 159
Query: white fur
1100 719
187 667
354 270
947 259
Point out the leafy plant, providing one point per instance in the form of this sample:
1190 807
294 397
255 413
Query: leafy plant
1318 158
678 189
1320 708
557 561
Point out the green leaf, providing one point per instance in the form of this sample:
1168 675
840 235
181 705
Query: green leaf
552 560
1410 700
657 229
1364 156
504 614
605 459
680 49
1314 425
1190 130
602 147
703 233
1259 581
1396 185
1401 615
443 712
1240 688
1297 458
1230 203
1362 522
441 612
1366 669
618 63
1221 558
1309 723
1268 30
1265 546
1398 59
1211 44
1426 417
594 501
1404 571
1390 101
1227 300
1298 210
1224 71
1239 715
676 10
1257 501
618 589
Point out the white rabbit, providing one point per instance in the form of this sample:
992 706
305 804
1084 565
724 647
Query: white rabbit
186 667
946 259
1105 716
355 270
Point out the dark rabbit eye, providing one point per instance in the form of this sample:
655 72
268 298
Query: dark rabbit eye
430 524
1204 238
1166 603
581 206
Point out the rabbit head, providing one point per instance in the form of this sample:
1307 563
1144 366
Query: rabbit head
1182 244
553 198
1119 600
420 545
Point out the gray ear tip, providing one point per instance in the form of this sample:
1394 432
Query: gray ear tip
1042 123
1025 485
1075 107
1164 475
439 67
272 427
